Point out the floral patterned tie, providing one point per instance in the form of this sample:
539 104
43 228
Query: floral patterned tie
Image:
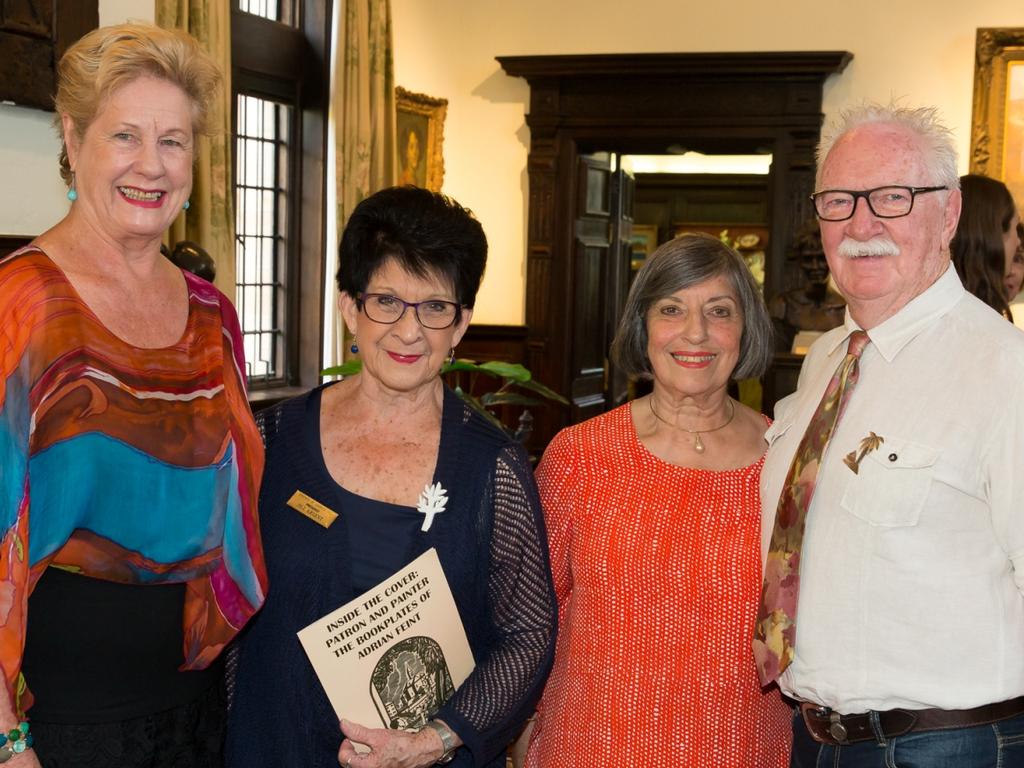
775 631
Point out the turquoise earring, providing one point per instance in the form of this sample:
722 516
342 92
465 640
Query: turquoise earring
187 205
72 194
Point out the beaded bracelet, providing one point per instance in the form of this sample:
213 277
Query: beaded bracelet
14 742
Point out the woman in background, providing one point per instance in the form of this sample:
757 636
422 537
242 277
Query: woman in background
653 518
367 448
1013 280
986 240
129 459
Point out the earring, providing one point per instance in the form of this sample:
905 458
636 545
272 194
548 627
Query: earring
187 205
72 194
354 349
451 356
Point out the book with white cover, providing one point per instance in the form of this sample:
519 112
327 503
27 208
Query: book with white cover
392 656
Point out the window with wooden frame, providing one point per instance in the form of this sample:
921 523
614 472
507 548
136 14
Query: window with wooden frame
279 81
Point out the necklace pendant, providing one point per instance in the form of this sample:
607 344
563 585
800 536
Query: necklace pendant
698 444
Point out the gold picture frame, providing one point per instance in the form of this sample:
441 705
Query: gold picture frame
997 114
419 128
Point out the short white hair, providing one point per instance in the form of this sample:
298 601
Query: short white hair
924 122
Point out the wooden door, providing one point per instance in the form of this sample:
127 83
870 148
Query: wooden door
590 314
722 103
623 196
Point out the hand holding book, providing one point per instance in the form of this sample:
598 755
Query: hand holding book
392 657
389 748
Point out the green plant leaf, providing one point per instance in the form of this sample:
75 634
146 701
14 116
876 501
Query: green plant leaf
513 371
491 399
514 375
460 365
543 391
475 404
348 368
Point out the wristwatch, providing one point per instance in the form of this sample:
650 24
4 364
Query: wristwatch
447 740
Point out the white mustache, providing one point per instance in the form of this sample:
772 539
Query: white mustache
876 246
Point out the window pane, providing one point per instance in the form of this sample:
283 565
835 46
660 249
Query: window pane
261 224
285 11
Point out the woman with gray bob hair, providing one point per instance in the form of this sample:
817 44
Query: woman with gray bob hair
681 263
653 519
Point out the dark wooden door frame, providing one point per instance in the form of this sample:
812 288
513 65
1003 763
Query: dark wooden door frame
644 103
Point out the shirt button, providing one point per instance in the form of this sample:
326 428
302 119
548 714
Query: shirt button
893 457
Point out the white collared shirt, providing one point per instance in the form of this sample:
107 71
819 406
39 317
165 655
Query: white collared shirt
912 569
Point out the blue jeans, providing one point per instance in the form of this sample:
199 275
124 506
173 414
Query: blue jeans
999 745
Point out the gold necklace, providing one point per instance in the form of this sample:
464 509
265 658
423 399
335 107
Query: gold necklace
698 444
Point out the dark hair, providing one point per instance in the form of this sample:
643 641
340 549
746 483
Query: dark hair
977 247
427 233
689 260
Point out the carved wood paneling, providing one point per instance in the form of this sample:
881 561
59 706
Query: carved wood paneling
642 103
506 343
33 36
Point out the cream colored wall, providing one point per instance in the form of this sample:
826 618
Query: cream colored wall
32 196
920 51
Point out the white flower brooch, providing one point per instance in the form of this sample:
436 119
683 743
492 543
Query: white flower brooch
432 501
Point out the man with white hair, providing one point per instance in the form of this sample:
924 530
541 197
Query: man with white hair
893 489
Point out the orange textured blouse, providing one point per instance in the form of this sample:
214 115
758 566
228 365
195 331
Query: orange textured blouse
657 573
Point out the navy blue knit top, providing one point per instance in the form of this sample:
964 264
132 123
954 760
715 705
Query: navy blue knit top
493 549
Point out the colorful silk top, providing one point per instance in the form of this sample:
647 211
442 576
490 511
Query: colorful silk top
121 463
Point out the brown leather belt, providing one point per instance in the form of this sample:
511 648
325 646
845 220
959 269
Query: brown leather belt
830 727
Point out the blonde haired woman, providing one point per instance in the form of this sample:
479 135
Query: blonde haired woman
129 460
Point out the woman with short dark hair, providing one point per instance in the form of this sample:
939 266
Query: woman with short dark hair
653 518
367 448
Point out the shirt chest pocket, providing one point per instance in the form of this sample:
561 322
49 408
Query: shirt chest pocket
892 483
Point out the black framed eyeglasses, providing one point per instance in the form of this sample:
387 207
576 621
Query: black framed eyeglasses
884 202
435 314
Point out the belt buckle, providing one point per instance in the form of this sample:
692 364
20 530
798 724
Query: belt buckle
824 725
836 728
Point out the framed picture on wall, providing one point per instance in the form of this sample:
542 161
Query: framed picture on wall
997 116
420 134
642 243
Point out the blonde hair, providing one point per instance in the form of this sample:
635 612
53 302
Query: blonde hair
109 58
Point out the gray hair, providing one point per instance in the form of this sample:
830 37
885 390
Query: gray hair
924 122
686 261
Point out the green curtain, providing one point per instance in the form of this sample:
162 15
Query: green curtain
209 220
363 111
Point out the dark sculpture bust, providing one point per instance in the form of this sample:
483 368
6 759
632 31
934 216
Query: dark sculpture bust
193 258
814 305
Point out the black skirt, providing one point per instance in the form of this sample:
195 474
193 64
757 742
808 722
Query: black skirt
188 736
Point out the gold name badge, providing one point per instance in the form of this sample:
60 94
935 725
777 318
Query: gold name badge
312 509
